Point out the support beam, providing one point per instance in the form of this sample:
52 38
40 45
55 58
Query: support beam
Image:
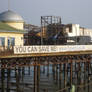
17 80
38 78
2 80
71 72
8 80
35 80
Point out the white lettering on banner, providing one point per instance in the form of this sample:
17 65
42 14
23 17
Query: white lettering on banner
50 48
72 48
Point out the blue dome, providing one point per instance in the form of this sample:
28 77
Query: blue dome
10 16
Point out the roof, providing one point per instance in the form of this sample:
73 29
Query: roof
6 28
30 27
10 16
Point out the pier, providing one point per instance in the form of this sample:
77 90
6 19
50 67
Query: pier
50 57
49 72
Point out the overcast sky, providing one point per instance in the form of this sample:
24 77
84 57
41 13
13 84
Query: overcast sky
71 11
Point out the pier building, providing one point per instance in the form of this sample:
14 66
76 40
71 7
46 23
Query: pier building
12 19
11 29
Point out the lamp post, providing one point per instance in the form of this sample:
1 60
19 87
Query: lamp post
41 32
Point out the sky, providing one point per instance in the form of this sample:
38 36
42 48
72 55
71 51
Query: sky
71 11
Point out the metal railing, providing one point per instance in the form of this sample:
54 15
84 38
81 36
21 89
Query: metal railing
5 50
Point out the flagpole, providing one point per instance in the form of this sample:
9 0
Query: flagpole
8 5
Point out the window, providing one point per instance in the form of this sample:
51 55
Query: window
67 29
11 41
70 29
22 38
2 41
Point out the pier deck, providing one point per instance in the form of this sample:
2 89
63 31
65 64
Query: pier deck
12 55
69 65
38 51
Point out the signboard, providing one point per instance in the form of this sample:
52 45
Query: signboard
50 48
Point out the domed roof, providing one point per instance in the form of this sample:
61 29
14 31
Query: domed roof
10 16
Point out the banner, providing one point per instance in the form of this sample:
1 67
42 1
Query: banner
50 48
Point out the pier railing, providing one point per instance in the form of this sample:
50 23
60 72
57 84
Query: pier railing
4 50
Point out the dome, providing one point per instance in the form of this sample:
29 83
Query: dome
10 16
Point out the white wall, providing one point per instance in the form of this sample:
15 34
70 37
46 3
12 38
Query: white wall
86 32
75 30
